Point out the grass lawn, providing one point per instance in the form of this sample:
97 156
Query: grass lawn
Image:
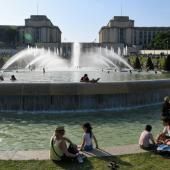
144 161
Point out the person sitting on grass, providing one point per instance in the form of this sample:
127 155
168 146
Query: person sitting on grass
59 150
164 137
166 130
86 79
146 140
88 136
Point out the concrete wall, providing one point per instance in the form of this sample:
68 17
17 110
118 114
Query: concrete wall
40 89
81 96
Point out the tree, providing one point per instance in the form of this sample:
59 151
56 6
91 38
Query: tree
137 64
1 62
161 41
8 35
167 63
149 64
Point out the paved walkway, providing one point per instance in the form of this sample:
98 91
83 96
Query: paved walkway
44 154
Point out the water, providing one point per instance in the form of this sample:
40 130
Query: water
38 58
74 76
76 55
28 132
33 131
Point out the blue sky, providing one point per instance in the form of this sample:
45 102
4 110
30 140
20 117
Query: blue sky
81 20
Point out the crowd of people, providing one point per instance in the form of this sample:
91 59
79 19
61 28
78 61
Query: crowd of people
147 141
62 148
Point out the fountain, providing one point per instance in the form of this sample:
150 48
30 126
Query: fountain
37 57
76 55
59 90
53 60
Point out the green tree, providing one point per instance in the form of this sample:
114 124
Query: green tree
137 64
2 62
149 64
161 41
167 63
8 35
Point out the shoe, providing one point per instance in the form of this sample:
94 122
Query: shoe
79 158
83 156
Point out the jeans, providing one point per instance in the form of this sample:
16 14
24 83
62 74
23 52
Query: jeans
88 148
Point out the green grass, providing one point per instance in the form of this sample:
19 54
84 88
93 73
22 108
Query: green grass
144 161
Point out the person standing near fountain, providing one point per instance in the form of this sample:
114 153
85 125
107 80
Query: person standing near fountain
166 108
43 70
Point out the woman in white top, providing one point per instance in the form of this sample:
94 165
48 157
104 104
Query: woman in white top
166 130
88 136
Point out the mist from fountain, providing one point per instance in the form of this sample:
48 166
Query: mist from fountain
103 58
76 54
96 58
37 57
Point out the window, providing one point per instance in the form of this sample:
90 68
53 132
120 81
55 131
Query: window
37 35
149 37
140 37
122 36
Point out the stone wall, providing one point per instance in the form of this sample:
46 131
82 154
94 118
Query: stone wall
81 96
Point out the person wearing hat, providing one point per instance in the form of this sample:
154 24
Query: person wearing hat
58 146
166 108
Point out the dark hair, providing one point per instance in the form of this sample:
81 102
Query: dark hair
88 127
148 128
61 132
168 122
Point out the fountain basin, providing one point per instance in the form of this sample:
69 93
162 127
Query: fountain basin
46 97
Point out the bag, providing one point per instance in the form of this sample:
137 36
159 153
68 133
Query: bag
72 149
163 148
52 145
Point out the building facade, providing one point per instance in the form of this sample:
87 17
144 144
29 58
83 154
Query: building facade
122 30
37 29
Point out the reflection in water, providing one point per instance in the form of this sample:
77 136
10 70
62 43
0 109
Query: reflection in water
25 131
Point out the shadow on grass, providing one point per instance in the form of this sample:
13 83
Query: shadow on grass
95 163
74 165
99 159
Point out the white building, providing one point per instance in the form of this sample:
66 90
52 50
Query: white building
122 30
38 29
